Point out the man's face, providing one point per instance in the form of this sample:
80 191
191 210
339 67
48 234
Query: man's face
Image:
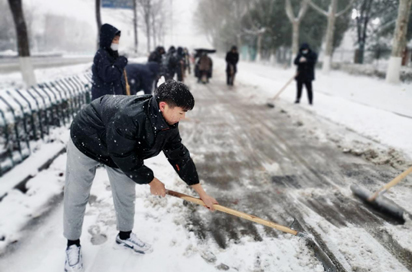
172 115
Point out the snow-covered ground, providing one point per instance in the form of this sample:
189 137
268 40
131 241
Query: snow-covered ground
367 106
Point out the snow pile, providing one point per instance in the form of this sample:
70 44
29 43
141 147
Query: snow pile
17 209
371 70
14 80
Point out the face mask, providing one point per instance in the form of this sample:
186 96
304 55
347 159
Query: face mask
305 51
114 47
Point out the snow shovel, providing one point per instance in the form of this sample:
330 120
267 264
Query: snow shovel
272 105
377 201
238 214
127 83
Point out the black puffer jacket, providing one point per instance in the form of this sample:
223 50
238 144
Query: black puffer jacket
122 131
232 60
306 70
108 66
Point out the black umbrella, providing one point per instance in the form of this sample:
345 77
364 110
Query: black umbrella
205 50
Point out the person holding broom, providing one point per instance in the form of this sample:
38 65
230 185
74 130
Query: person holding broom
121 132
305 61
108 67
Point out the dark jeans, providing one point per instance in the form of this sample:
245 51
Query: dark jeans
308 86
230 78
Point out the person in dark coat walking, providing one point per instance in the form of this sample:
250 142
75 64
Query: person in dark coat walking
205 66
305 60
142 77
232 58
121 132
170 63
108 66
180 67
157 55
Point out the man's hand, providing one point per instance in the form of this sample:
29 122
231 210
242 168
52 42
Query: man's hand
302 59
209 201
157 187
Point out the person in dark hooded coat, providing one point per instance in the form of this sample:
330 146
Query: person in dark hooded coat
142 77
156 55
232 58
170 63
108 66
305 60
180 67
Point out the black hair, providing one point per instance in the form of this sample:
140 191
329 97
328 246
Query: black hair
175 94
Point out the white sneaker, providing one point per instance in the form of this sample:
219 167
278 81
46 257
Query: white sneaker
74 260
134 243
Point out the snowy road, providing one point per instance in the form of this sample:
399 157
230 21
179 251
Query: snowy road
257 160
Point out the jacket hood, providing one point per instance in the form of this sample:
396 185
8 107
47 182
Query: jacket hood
304 46
107 33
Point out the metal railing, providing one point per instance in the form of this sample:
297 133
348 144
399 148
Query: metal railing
27 116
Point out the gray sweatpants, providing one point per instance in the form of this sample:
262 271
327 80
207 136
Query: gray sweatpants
80 172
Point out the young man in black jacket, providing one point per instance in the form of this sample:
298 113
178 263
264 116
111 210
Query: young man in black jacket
121 132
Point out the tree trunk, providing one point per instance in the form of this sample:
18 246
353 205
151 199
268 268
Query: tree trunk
154 30
239 45
399 42
259 47
273 56
295 39
329 36
98 21
147 20
136 42
22 43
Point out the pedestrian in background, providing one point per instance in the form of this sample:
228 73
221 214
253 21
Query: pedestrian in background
305 60
232 58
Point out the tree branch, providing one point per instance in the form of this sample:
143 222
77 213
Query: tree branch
345 10
318 9
303 8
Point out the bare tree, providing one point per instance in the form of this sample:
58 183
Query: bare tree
399 41
295 22
136 41
98 20
331 15
146 7
22 43
263 10
158 17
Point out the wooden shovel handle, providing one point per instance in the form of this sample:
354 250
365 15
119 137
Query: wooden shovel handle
233 212
127 83
282 89
391 184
